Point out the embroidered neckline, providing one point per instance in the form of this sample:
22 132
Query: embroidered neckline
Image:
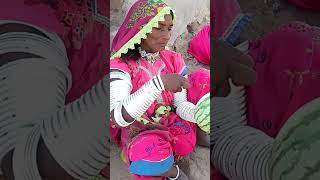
150 57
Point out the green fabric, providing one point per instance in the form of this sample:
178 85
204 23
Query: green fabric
143 120
202 113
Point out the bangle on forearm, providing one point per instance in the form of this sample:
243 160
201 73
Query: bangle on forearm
161 82
138 103
186 111
118 117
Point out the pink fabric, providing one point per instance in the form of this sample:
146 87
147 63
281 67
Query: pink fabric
177 136
198 85
150 147
199 46
172 61
85 38
288 67
223 12
181 142
81 33
140 13
179 133
38 14
173 64
307 4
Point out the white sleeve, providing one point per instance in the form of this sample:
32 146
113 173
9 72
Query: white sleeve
185 109
135 104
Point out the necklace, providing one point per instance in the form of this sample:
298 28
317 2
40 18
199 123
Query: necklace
150 57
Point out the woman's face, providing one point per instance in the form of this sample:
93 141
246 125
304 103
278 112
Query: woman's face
158 39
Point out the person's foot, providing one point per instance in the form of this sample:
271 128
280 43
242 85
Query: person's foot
180 176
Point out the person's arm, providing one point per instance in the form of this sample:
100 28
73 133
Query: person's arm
46 139
184 108
243 149
125 108
231 135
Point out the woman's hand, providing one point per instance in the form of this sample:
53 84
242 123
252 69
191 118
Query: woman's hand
230 63
174 82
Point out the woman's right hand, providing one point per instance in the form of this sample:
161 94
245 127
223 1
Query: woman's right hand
230 63
174 82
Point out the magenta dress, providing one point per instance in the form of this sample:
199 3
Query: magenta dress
172 135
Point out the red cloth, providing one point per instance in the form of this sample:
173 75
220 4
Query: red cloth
85 38
199 46
286 61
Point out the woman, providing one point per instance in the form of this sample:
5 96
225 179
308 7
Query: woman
53 70
146 84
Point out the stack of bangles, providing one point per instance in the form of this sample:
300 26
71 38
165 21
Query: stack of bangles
135 104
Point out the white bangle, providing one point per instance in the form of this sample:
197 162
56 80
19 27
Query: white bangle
118 116
180 97
186 111
138 103
178 174
120 75
157 83
161 82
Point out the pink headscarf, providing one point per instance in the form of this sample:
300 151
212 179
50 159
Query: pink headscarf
199 46
140 13
228 23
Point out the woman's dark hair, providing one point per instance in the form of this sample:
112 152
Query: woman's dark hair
134 53
172 15
131 54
